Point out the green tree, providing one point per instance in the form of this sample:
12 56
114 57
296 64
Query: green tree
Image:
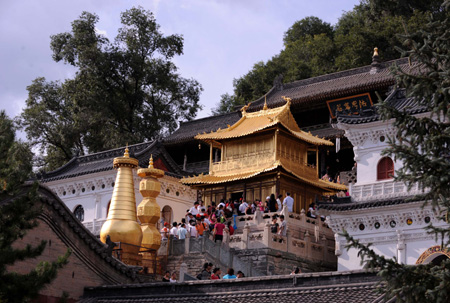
313 47
425 153
127 90
18 213
307 27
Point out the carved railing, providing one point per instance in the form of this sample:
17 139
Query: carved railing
385 189
297 165
247 162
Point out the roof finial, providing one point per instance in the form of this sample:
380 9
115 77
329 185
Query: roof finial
150 163
126 154
376 63
265 103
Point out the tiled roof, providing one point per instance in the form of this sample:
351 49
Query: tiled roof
251 123
355 287
369 204
217 179
396 99
103 161
325 131
332 86
188 130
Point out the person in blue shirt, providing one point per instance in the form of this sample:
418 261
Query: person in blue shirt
230 274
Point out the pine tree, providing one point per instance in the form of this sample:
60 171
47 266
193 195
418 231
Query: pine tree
424 150
18 214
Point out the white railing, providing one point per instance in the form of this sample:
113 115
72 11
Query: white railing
384 189
94 227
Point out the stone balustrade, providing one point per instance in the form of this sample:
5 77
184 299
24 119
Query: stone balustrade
385 189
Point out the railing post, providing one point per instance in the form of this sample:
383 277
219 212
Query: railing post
245 235
266 235
187 243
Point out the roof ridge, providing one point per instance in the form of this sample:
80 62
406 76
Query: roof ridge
210 117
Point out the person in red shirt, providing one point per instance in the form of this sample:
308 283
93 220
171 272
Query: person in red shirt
216 274
230 228
218 231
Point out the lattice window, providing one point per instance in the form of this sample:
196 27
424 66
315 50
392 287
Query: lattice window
385 169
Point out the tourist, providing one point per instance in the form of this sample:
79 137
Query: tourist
165 231
230 274
230 228
279 201
194 209
216 274
218 231
206 272
288 202
220 213
166 277
173 277
174 230
205 222
311 211
296 271
182 231
212 222
283 227
193 229
243 207
240 274
272 203
274 226
201 227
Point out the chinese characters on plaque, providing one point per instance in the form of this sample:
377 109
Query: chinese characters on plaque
349 106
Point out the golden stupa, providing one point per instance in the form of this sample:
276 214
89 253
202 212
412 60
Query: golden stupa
121 224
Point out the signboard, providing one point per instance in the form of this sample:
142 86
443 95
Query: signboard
353 105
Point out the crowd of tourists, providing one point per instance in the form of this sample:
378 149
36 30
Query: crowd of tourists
209 272
217 218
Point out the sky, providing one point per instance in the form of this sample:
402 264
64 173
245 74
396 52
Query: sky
223 39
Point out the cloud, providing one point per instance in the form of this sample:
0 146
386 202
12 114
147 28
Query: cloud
101 32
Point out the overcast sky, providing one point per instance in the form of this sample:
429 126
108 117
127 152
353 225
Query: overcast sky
222 39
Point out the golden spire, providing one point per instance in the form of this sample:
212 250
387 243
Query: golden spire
126 154
150 163
375 52
265 103
121 224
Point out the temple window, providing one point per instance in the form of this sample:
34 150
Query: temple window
385 169
79 213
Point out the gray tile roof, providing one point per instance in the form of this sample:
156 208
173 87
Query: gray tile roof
332 86
103 161
188 130
357 286
336 206
324 131
396 99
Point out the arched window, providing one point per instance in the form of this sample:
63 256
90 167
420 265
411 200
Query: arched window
385 169
79 213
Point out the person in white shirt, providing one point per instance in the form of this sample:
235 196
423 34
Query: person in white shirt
194 209
182 232
192 229
288 202
279 201
243 207
174 230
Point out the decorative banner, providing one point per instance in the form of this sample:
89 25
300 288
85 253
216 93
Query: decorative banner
350 106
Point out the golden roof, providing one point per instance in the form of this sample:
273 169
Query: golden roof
251 123
216 179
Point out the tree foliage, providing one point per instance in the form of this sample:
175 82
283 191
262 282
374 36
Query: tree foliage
424 150
313 47
125 91
18 213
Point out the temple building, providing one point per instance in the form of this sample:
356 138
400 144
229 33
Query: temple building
263 153
384 212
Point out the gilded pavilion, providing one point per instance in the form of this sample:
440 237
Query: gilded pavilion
264 152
